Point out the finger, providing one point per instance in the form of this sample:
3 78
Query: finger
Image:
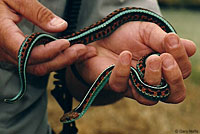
48 51
173 76
120 74
91 52
8 13
190 46
152 76
153 70
11 38
65 58
172 45
4 57
149 33
38 14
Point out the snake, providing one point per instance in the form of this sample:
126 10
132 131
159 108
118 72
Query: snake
94 32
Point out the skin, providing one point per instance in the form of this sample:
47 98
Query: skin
124 47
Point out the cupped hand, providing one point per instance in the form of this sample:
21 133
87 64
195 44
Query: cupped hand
131 42
45 57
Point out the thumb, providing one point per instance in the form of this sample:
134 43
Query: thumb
153 36
38 14
120 74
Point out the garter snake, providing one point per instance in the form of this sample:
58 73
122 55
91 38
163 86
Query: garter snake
97 31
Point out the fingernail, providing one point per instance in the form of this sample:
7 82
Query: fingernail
63 44
168 62
173 41
155 64
126 58
57 21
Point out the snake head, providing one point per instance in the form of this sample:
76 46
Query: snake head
67 117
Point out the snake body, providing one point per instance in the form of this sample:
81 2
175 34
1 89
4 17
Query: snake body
97 31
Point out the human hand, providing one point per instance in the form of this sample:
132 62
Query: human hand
45 57
127 45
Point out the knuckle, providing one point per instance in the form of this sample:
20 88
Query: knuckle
178 55
184 65
175 79
43 14
117 88
186 73
71 57
19 5
146 30
186 70
180 99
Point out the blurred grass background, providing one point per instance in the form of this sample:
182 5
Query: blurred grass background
129 117
191 4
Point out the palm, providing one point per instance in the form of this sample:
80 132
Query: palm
127 37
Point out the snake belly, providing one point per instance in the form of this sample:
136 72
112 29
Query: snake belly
97 31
